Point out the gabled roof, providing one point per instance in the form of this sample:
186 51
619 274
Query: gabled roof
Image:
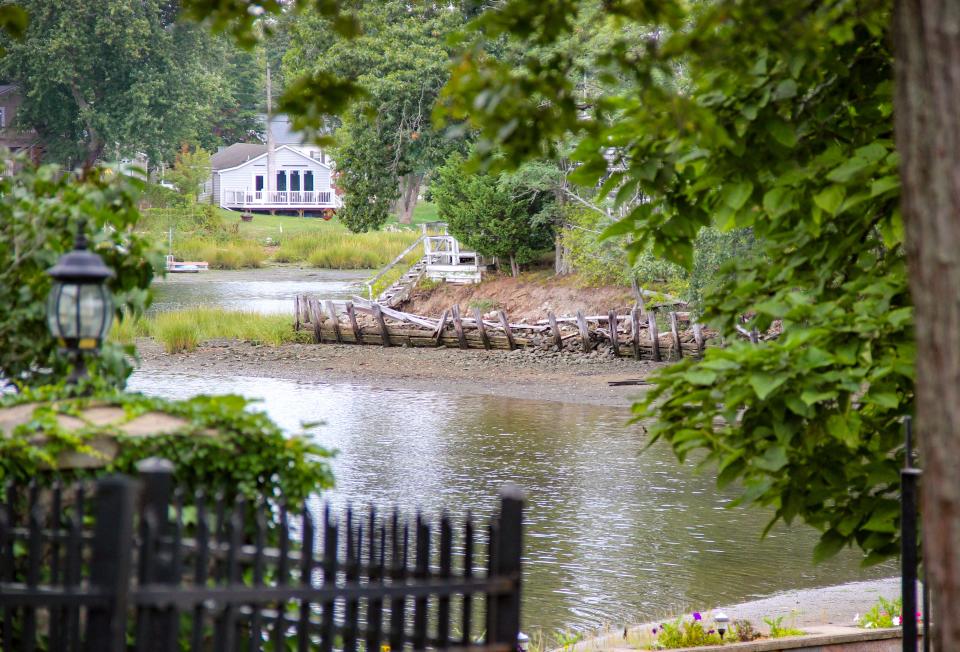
236 154
263 154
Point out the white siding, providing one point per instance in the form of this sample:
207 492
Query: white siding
242 177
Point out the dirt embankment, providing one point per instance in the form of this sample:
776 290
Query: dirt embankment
527 297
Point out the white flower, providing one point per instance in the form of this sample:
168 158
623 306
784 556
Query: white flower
856 618
896 621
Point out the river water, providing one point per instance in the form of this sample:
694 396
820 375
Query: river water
615 534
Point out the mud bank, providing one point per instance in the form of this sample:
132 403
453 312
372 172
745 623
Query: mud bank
562 377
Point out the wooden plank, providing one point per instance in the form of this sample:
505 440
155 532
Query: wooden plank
612 321
384 333
481 328
352 315
635 331
654 336
305 308
557 339
584 332
458 326
675 334
332 310
316 321
638 293
698 338
505 323
438 333
296 313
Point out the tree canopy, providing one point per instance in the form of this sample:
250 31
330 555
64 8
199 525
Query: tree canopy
119 78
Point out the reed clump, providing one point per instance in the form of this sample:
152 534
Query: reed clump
340 249
184 330
228 254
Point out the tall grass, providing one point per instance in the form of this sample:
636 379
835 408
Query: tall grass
344 250
229 254
184 330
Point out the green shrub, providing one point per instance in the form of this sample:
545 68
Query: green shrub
336 248
685 632
224 448
156 196
885 613
777 630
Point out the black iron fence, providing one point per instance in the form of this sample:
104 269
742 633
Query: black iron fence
909 494
129 564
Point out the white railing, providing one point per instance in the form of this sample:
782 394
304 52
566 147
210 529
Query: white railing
244 198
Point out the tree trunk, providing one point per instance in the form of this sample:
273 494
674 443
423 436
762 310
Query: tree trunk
561 264
409 192
927 123
514 267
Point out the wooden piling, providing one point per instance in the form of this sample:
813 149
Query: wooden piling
612 321
354 326
296 313
305 309
675 334
481 328
584 331
316 321
511 344
654 336
698 338
635 331
336 322
378 315
438 334
638 293
458 326
557 338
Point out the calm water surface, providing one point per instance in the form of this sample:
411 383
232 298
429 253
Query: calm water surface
267 290
615 534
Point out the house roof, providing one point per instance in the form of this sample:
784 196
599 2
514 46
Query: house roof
236 154
263 153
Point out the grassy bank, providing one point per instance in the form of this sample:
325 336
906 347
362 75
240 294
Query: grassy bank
205 233
184 330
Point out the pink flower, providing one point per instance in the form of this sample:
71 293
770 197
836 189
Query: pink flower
654 630
697 616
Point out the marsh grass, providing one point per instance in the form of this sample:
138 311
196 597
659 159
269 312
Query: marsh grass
183 330
229 254
335 248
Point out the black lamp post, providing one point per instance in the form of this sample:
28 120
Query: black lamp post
79 308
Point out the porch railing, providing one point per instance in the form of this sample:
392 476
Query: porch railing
319 198
136 562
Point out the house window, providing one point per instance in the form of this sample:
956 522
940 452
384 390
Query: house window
281 181
258 183
308 181
295 180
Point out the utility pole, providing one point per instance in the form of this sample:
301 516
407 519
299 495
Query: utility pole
271 162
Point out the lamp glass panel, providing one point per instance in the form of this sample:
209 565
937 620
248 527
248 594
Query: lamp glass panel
66 309
94 311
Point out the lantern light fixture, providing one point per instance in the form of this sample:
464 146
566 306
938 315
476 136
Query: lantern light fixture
80 307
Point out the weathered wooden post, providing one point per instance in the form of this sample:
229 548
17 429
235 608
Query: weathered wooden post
675 334
505 323
352 315
336 322
555 329
635 331
438 334
614 342
584 331
654 336
296 313
378 315
698 338
481 328
458 326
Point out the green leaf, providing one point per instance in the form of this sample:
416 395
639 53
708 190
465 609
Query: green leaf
773 459
783 132
884 185
830 544
830 198
764 384
785 90
778 201
735 195
697 376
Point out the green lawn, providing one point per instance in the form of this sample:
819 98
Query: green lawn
264 226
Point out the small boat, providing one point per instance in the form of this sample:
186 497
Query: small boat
185 267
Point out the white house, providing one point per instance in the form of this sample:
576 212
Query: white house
300 182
